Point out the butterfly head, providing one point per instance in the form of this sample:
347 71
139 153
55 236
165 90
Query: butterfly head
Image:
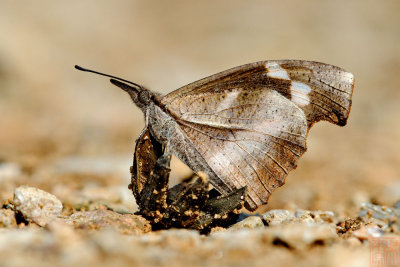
140 95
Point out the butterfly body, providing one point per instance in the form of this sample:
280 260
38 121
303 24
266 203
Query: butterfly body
247 126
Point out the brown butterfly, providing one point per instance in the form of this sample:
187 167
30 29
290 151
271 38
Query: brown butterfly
246 126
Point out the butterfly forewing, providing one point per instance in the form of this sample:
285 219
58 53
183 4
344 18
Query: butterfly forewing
250 123
322 91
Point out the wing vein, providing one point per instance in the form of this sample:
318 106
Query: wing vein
244 129
333 87
225 109
273 159
262 165
333 101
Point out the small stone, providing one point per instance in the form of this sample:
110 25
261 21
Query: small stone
314 216
367 231
252 222
7 218
325 216
349 225
100 219
36 205
276 217
304 216
387 218
217 229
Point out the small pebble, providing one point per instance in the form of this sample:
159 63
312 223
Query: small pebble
36 205
100 219
7 218
252 222
276 217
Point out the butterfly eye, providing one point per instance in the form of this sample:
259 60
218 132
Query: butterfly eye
144 97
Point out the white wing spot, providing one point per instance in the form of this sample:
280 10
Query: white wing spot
228 101
276 71
299 93
348 77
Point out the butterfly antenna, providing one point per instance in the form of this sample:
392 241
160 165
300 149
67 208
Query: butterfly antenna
103 74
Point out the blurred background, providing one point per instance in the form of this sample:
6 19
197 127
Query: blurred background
73 133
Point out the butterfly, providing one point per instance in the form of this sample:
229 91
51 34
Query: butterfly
246 126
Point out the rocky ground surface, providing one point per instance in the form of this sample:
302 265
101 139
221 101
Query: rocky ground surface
88 225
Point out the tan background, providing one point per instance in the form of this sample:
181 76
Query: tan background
52 115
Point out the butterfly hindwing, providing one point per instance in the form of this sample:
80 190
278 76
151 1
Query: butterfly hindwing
253 143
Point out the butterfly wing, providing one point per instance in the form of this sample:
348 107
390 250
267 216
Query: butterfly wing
249 123
322 91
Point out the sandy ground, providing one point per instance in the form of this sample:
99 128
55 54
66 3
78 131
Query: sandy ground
72 134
